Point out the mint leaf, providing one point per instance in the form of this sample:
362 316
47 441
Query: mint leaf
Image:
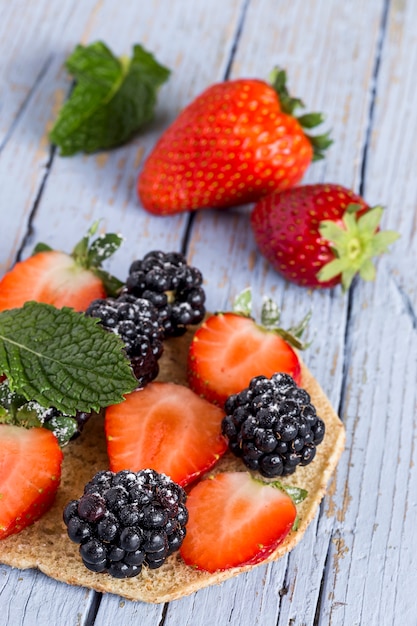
61 358
63 427
111 100
242 304
270 313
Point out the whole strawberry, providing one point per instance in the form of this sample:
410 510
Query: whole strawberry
320 235
235 143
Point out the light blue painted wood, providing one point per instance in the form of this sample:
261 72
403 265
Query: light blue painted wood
356 563
31 598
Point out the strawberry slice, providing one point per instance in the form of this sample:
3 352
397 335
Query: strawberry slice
50 277
165 427
62 279
229 349
30 472
235 520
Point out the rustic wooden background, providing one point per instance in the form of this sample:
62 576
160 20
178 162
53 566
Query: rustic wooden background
355 60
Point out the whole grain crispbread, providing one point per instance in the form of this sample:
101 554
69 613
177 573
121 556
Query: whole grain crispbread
46 546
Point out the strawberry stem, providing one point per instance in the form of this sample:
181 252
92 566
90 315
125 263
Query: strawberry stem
297 494
354 244
320 143
270 318
90 255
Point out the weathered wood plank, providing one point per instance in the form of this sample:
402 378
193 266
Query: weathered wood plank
33 598
330 37
375 578
26 52
79 190
364 538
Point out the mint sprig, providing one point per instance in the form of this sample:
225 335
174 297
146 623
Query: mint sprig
112 98
61 358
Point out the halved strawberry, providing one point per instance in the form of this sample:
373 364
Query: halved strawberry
235 520
165 427
61 279
230 349
30 472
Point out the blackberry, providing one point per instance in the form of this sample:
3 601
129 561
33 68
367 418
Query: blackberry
136 321
273 426
173 286
127 519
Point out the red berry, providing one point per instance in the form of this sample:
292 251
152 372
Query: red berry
30 472
235 143
235 520
319 235
50 277
228 350
61 279
165 427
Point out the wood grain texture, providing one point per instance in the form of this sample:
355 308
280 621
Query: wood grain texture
356 61
321 27
375 580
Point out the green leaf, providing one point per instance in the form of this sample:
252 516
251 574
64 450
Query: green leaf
103 248
331 269
382 240
370 220
367 271
311 120
63 427
41 247
278 80
332 232
112 285
320 144
112 99
270 313
91 256
296 493
243 303
355 244
298 330
11 402
347 277
64 359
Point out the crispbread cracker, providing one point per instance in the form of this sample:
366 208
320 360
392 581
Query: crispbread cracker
45 544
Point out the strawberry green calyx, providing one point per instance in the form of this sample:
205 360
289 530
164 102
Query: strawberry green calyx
90 254
270 318
320 143
354 244
297 494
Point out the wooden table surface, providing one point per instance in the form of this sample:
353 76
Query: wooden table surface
356 61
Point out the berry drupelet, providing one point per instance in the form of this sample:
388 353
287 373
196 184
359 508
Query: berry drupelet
127 519
273 426
173 286
136 321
